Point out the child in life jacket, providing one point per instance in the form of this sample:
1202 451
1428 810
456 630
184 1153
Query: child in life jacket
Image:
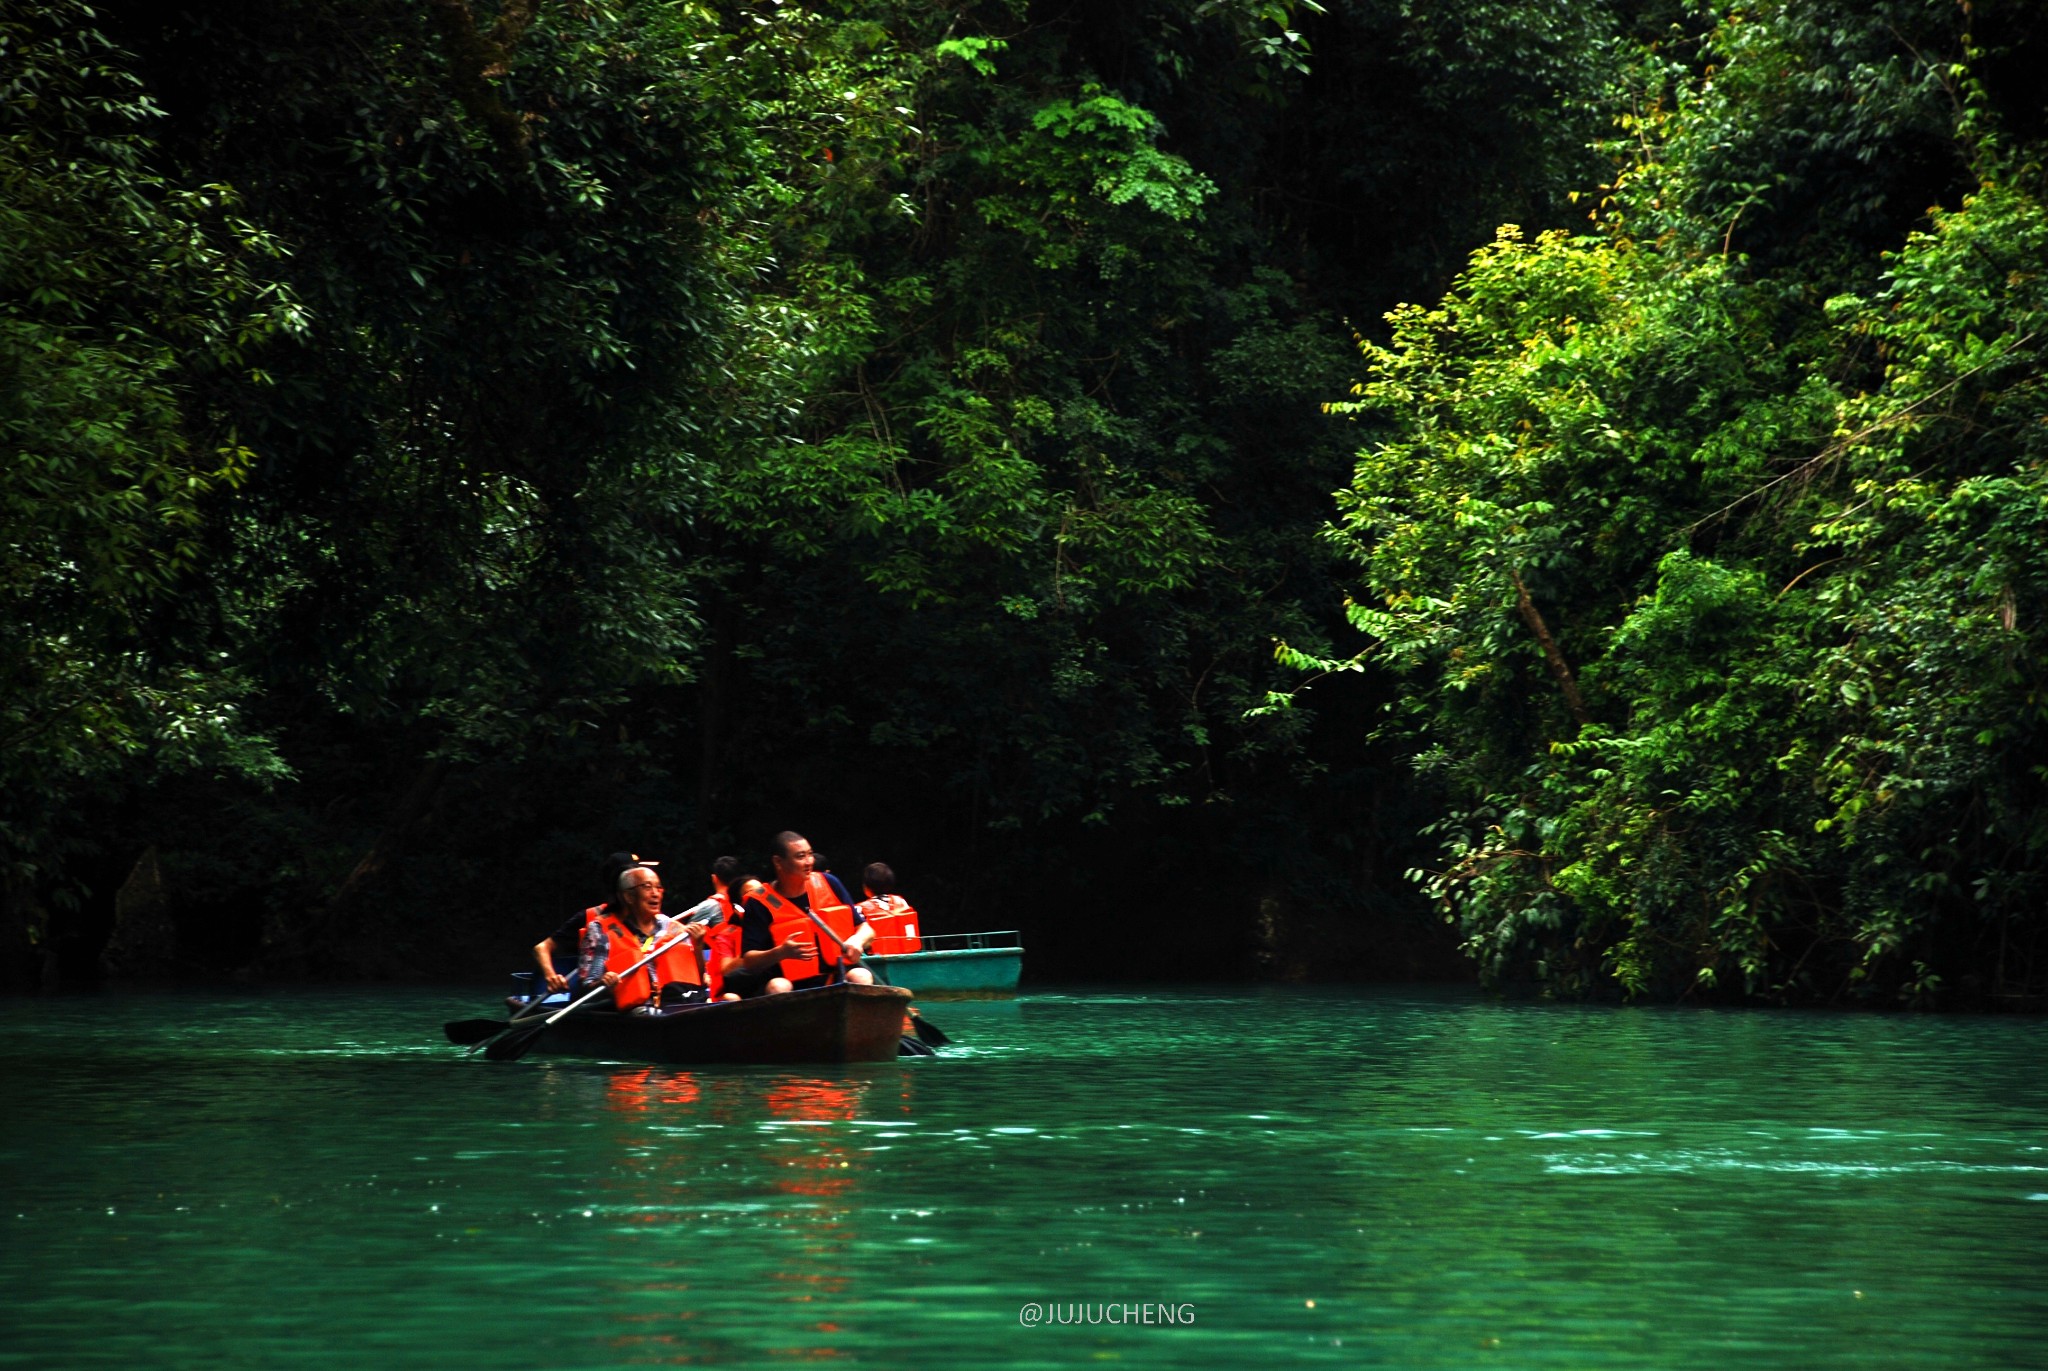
894 921
730 887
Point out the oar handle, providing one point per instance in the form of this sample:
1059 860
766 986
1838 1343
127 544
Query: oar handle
595 991
838 941
824 928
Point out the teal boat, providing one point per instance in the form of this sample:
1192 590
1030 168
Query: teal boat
959 964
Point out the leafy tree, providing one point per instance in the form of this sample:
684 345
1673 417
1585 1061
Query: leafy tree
902 416
1015 490
1701 586
121 296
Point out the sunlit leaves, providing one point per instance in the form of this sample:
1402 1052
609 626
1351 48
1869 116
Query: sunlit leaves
1785 548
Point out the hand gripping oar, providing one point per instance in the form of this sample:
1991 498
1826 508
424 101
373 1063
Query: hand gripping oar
927 1031
518 1040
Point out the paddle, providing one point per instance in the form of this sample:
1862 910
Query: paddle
521 1034
472 1031
468 1032
927 1032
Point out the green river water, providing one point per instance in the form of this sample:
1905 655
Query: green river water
1172 1178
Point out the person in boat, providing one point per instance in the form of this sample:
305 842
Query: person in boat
615 943
559 953
730 887
889 914
780 948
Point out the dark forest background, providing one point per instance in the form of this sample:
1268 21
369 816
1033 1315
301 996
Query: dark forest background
449 442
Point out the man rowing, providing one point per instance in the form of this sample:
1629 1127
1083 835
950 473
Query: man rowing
558 953
618 943
782 948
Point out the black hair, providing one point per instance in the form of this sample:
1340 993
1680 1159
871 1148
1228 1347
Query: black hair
879 878
727 869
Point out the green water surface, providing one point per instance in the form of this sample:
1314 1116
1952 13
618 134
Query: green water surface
1182 1178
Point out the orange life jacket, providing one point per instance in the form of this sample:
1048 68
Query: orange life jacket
592 915
895 924
789 919
723 944
625 946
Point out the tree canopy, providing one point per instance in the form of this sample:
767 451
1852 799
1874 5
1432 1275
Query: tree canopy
1702 538
450 442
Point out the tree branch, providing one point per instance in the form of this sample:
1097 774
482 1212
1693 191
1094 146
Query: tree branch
475 59
1559 668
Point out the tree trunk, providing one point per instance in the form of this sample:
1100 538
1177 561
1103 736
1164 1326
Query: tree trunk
1559 668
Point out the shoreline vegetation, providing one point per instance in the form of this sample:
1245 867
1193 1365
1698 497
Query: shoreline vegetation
1341 490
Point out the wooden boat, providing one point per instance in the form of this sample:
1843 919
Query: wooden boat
961 964
831 1023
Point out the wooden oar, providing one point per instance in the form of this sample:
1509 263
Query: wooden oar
516 1042
927 1031
469 1032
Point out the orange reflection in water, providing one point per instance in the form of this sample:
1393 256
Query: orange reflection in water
823 1171
650 1088
814 1167
815 1164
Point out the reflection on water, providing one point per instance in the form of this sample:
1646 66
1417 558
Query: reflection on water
1323 1178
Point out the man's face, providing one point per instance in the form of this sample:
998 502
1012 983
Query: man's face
642 895
797 863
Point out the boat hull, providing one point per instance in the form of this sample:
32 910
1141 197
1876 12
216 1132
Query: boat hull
970 971
828 1024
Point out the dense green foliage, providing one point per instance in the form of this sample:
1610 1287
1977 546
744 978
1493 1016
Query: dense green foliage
449 441
1709 544
119 293
680 422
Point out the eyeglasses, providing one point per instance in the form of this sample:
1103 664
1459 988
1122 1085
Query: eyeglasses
645 885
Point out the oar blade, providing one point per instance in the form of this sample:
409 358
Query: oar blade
927 1031
468 1032
909 1046
512 1045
